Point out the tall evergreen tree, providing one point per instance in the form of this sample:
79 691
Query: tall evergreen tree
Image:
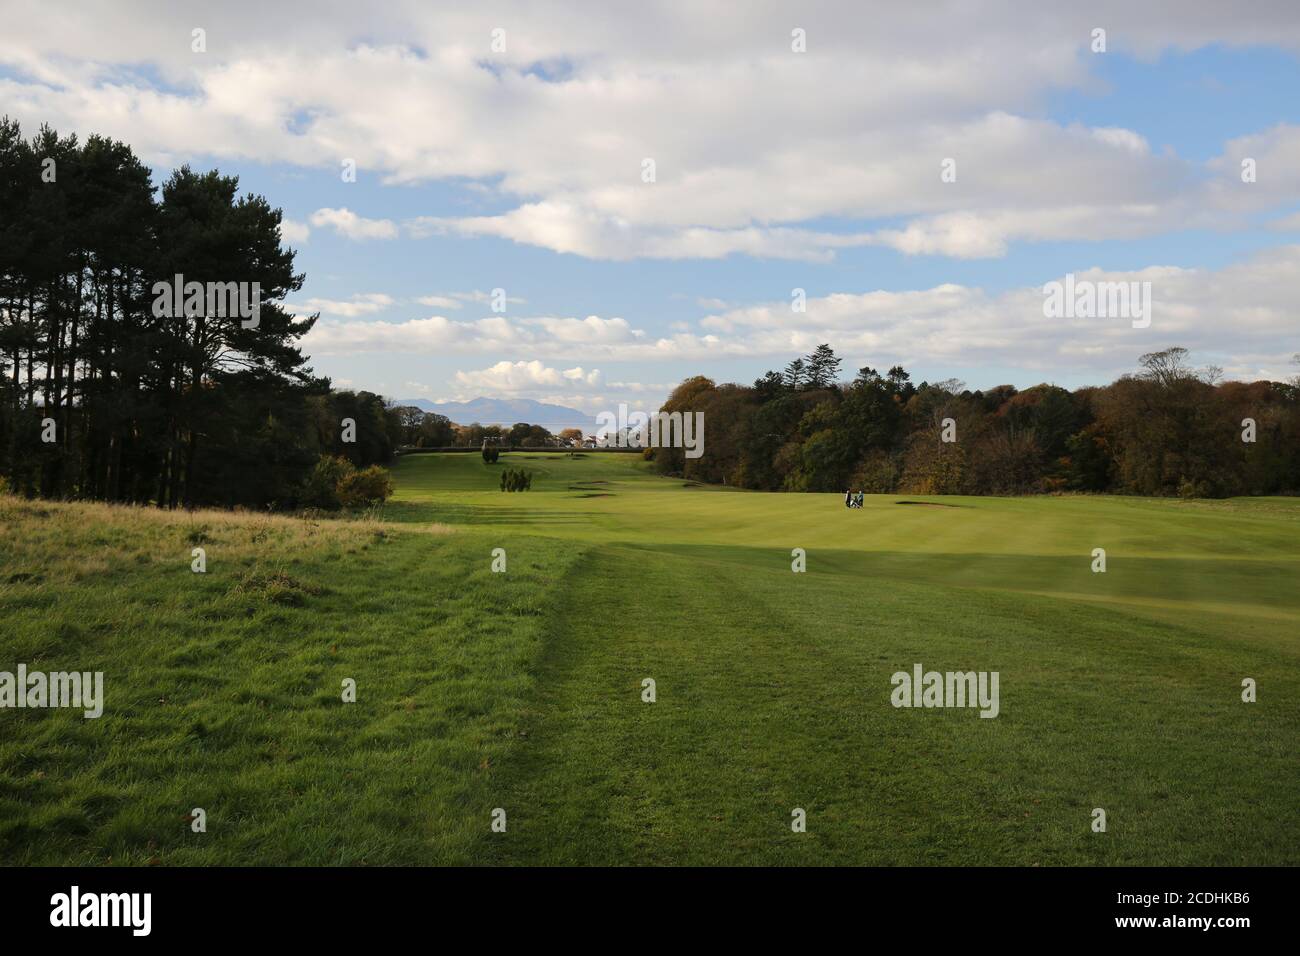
146 405
796 375
823 367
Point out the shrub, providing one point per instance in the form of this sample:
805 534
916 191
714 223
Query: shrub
490 455
336 483
361 489
321 488
1189 488
516 479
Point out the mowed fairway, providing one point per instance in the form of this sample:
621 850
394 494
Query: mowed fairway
1119 690
523 690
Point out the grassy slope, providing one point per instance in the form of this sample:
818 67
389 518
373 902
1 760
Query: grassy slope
224 689
523 690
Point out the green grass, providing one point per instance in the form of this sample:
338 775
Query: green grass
523 690
224 690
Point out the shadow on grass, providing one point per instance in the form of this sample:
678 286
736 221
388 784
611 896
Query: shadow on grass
409 512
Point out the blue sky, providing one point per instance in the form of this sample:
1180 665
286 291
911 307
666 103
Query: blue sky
480 168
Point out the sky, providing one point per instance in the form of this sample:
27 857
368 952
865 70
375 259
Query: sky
919 171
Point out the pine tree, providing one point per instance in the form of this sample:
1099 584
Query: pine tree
770 385
823 367
147 407
795 375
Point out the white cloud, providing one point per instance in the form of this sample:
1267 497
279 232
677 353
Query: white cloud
364 303
578 376
479 296
293 231
1240 315
584 389
439 301
516 377
547 335
456 300
592 330
752 143
351 226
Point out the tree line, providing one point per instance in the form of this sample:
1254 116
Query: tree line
109 389
106 395
1165 429
421 429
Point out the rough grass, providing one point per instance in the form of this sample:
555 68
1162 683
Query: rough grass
224 690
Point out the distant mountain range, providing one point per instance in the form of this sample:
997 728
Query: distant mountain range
500 411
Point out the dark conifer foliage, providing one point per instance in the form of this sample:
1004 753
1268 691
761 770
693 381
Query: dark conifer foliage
105 393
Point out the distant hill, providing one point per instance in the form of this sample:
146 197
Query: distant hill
501 411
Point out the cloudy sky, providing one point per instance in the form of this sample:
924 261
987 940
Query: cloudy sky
505 146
